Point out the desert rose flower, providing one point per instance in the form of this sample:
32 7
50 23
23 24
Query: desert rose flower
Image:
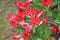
20 10
44 20
14 36
25 5
18 16
13 22
28 28
25 35
20 5
28 12
16 3
22 23
9 16
46 2
34 20
35 11
54 29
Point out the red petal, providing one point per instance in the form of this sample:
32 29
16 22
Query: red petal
13 22
9 16
14 36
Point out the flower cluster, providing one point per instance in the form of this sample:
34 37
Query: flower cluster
25 11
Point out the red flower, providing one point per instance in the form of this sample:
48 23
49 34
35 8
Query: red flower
28 12
20 10
9 16
20 5
25 5
34 20
16 3
28 28
13 22
48 39
14 36
54 29
46 2
44 20
19 16
26 35
24 13
22 23
35 11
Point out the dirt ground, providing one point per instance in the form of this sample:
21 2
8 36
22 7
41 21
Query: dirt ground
6 6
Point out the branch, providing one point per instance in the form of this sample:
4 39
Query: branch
50 21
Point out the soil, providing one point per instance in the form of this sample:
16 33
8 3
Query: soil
6 7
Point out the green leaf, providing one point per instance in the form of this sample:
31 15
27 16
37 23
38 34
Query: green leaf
59 14
57 20
34 30
36 6
47 33
18 29
33 36
41 35
39 39
37 1
49 14
26 19
53 3
53 38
